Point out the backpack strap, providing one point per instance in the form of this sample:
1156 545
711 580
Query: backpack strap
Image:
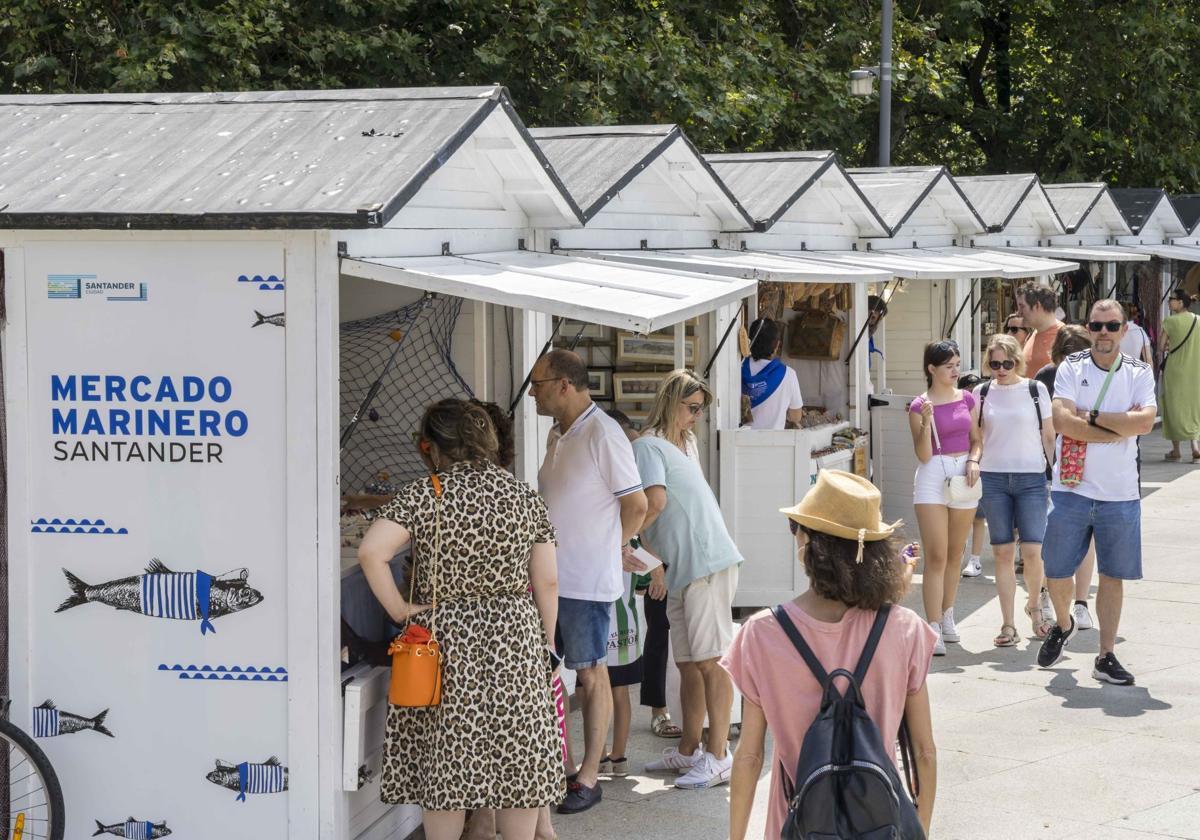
983 389
798 642
868 651
1037 403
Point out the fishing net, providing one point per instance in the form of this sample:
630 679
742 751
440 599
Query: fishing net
379 455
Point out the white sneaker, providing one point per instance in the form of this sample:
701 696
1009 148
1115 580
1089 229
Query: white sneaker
709 771
1047 607
939 647
1083 618
949 631
974 567
672 759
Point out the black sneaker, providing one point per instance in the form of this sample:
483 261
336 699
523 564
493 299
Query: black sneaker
1052 647
580 797
1108 669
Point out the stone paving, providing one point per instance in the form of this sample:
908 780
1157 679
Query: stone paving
1023 753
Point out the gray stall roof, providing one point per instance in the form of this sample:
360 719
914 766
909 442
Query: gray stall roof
1137 205
597 162
997 198
294 159
1188 208
897 191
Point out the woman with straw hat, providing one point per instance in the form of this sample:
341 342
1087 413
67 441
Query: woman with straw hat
855 566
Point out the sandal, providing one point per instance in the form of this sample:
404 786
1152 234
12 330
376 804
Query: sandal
1040 625
1172 456
1008 636
663 727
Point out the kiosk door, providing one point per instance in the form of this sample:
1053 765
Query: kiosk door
893 460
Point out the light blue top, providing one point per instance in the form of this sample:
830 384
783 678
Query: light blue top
689 535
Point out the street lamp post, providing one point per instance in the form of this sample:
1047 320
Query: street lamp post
885 85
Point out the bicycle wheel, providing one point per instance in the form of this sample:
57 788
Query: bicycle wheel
33 808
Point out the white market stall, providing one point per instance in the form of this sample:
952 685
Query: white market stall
1154 226
179 291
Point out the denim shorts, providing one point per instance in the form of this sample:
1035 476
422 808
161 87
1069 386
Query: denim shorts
1014 500
1075 519
582 633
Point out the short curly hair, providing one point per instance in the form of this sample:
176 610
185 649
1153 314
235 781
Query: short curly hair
835 573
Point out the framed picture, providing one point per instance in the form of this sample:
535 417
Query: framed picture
639 387
595 332
600 383
655 349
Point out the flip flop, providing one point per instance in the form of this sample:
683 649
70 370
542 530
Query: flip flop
1008 636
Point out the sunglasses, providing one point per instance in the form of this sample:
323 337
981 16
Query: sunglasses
946 345
794 527
1100 326
1007 364
694 408
1014 330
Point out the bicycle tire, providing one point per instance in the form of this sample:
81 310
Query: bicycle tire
19 740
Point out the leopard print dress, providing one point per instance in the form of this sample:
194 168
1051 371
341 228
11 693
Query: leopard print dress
494 741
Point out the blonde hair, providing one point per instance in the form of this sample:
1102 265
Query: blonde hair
1008 345
678 386
461 431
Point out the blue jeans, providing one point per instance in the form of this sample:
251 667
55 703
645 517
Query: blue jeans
582 632
1075 519
1014 500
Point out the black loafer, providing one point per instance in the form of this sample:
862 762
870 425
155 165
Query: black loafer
580 797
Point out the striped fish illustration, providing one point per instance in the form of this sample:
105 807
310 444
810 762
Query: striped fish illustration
133 829
49 722
162 593
247 777
276 320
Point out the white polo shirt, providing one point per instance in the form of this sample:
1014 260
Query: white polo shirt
771 413
586 472
1110 470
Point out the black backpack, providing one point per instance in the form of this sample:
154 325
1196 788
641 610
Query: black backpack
1037 406
847 787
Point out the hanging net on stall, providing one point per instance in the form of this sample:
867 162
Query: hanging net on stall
380 456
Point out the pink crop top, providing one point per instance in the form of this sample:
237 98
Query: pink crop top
953 421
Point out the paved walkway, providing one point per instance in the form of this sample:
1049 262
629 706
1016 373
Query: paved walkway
1024 753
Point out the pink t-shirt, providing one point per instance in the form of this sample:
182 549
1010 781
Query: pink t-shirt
953 421
769 672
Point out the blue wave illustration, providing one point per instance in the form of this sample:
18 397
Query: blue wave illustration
42 525
270 283
227 673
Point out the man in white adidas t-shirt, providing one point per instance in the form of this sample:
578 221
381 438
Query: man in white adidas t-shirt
1107 400
772 386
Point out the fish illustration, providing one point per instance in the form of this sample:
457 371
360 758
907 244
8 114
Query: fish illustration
133 829
49 722
268 777
162 593
275 320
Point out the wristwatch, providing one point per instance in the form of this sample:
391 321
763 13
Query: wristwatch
1092 415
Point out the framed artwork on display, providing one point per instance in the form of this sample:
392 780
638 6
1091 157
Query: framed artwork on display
640 386
595 332
656 349
600 384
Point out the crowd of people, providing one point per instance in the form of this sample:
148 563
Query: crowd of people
620 565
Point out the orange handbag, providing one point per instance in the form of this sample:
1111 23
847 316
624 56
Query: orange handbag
416 654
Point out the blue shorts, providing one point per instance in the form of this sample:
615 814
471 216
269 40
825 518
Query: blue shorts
1075 519
1014 500
582 633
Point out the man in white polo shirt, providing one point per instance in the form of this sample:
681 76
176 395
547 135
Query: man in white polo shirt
591 485
772 386
1107 400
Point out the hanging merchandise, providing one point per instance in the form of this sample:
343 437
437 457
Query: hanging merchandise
814 334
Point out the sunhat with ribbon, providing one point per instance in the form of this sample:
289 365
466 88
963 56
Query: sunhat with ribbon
843 505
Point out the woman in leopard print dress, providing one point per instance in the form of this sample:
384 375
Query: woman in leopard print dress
493 741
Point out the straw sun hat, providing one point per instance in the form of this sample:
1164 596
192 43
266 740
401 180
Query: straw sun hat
844 505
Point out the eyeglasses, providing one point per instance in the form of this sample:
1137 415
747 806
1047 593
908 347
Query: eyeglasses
1014 330
1099 326
533 383
694 408
948 344
1007 364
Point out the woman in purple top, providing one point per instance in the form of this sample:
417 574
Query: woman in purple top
946 438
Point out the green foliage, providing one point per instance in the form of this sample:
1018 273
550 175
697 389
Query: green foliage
1071 89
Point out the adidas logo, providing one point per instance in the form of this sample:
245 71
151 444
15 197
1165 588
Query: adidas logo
1084 383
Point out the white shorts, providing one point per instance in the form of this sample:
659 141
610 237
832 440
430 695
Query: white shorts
701 616
929 484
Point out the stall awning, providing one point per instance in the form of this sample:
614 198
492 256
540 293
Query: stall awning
948 263
627 297
1087 253
755 265
1187 253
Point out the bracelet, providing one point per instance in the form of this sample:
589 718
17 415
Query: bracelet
972 461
